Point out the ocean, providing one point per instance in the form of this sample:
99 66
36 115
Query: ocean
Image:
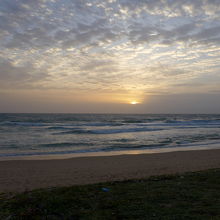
72 134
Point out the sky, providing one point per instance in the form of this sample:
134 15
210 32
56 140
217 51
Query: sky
99 56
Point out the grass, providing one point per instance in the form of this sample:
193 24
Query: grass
188 196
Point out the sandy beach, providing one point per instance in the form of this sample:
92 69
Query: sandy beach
22 175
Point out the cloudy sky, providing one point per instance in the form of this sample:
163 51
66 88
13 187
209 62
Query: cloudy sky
101 55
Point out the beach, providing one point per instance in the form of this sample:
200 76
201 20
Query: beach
25 175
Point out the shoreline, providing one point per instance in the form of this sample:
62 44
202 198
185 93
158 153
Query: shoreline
57 156
25 175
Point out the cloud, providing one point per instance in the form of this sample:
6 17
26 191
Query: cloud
172 8
20 76
98 64
124 44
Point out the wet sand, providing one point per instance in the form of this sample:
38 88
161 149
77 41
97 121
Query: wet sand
23 175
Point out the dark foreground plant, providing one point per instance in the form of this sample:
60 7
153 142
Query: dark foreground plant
188 196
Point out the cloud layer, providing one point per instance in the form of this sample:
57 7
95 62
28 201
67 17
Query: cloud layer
127 46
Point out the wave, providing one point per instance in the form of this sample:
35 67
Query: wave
110 148
65 144
71 126
36 153
106 149
142 122
97 124
145 120
14 123
109 131
40 153
194 122
58 128
184 124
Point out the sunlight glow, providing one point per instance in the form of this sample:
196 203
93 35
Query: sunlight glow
134 102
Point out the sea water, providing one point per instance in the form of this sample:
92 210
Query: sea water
53 134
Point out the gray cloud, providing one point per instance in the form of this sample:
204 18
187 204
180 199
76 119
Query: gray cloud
173 8
106 40
40 23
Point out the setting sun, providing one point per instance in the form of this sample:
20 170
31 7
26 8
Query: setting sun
134 102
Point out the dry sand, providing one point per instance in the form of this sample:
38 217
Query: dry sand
21 175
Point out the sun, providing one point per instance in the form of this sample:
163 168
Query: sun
134 103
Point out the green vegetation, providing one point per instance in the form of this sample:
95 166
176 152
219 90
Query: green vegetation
188 196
